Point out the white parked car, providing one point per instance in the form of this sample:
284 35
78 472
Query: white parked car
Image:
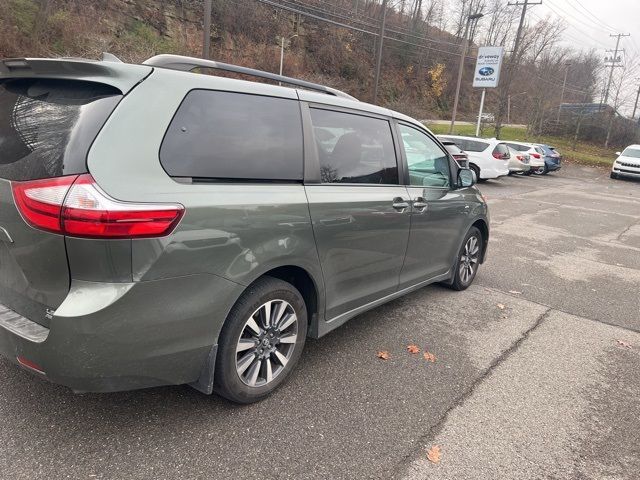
519 162
628 163
536 155
488 157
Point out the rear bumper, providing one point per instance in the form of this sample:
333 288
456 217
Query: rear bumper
494 171
519 167
111 337
553 165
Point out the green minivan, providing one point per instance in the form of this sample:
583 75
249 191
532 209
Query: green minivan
159 226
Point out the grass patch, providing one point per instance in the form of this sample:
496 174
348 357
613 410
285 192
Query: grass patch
585 153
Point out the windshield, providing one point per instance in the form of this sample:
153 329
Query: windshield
631 152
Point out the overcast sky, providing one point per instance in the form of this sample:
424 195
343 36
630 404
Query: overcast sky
591 21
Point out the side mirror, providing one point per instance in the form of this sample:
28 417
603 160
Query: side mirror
466 177
618 153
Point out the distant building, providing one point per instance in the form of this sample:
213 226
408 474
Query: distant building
587 108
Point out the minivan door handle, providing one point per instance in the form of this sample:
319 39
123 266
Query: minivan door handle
400 204
420 205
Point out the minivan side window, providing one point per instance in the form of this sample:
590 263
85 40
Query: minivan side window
226 135
428 164
353 148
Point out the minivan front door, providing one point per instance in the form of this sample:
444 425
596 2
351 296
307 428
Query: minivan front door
360 213
438 211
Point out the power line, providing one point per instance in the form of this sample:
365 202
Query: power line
584 18
358 29
361 20
563 13
589 13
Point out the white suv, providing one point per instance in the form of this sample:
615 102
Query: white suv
628 163
488 157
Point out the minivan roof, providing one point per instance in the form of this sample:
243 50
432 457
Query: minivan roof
309 92
477 139
124 76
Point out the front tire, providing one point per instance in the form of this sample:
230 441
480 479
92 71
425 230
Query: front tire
261 341
613 175
468 260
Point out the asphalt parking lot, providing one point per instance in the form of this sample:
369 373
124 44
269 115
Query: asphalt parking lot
545 387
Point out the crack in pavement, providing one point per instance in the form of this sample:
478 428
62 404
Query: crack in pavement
556 309
433 431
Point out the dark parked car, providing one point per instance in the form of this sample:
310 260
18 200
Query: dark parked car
163 227
552 157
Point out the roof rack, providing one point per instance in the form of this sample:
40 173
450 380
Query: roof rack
186 64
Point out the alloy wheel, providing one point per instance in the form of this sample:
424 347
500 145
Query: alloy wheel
469 259
266 343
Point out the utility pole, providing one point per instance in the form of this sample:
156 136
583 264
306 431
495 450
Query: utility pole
206 33
635 106
512 63
463 54
379 55
614 62
564 84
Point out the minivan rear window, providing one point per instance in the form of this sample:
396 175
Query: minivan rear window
227 135
467 145
48 125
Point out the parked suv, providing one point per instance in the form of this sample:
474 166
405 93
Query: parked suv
488 157
163 227
536 156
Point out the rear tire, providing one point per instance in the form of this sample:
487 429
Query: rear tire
476 169
261 341
468 260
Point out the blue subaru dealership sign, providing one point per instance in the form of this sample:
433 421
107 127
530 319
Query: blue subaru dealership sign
487 72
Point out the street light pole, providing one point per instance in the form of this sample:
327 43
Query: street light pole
281 54
282 41
463 54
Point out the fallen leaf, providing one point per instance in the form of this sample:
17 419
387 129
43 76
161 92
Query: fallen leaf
430 357
384 355
515 292
503 317
624 344
501 306
433 454
413 349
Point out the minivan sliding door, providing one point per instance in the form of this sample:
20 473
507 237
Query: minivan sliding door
359 210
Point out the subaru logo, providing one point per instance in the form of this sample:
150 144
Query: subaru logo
486 71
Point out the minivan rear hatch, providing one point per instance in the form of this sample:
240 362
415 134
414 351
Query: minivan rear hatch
47 125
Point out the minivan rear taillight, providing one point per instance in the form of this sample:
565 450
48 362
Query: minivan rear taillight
77 206
535 155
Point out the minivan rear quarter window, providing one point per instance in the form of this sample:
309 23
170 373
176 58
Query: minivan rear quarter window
47 126
226 135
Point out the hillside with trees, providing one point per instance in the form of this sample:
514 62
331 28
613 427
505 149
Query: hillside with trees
332 42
